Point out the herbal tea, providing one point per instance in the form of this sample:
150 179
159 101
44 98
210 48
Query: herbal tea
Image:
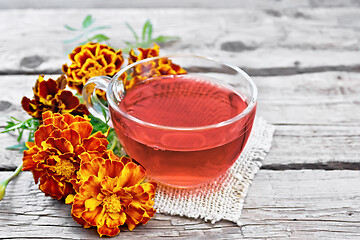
185 151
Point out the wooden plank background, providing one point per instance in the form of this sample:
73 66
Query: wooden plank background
254 4
304 57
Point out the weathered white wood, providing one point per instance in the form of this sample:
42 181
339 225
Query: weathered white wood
308 204
264 42
317 115
293 147
313 140
254 4
317 98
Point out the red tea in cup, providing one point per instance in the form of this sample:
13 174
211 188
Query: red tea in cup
183 157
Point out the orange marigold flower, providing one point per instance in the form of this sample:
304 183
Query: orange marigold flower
112 194
50 95
143 53
90 60
54 156
162 66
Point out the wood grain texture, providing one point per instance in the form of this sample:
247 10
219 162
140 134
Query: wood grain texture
294 147
308 204
304 57
307 110
287 42
317 98
254 4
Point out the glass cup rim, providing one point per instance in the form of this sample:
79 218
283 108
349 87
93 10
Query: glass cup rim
252 103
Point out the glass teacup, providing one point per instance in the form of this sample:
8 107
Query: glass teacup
184 118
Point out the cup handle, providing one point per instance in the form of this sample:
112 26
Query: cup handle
92 102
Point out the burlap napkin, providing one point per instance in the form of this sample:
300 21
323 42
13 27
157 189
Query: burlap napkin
224 197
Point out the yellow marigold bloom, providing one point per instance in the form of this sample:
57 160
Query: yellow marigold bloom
90 60
54 156
50 95
141 72
112 194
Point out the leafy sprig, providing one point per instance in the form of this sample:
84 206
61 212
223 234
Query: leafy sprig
29 125
85 31
146 39
85 34
143 40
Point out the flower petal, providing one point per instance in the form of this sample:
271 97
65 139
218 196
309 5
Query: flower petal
108 184
52 187
48 88
134 215
93 144
61 144
131 174
110 169
115 220
95 217
88 169
81 58
72 136
28 161
78 205
104 230
91 204
43 133
69 199
68 99
83 128
91 187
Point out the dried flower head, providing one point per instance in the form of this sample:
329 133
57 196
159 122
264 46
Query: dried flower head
54 156
90 60
50 95
112 194
162 66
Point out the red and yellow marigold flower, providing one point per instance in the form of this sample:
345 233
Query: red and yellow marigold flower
50 95
111 193
143 53
140 72
54 156
90 60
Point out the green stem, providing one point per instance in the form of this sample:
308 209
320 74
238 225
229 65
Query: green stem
16 172
4 184
114 143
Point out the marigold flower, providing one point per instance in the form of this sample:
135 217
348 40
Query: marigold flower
162 66
50 95
54 156
90 60
112 194
143 53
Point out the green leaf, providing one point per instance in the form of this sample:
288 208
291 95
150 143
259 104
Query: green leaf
99 38
70 28
161 38
147 31
87 32
87 21
12 127
98 124
19 147
30 124
20 135
132 31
